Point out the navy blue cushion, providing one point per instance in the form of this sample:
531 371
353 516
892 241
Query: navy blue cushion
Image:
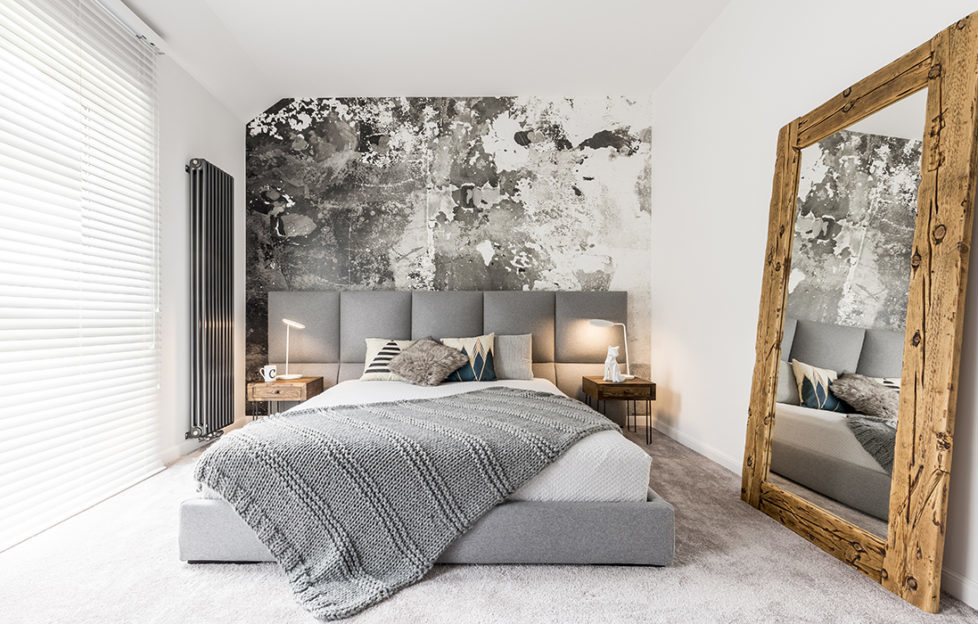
813 388
479 351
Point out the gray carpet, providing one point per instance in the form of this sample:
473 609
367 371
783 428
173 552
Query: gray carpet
117 563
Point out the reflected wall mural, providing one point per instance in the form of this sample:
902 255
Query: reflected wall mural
850 263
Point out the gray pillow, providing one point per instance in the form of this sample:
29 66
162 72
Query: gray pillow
513 357
867 395
787 386
427 362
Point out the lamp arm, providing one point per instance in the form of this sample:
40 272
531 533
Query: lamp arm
628 365
287 336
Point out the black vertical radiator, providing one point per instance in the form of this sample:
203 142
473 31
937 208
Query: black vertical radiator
211 299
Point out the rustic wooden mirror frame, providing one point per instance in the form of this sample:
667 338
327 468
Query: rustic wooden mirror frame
908 562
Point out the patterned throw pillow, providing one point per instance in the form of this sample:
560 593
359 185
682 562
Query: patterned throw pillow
380 352
813 387
427 362
479 351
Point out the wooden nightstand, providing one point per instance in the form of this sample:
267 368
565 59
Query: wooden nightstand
631 391
285 390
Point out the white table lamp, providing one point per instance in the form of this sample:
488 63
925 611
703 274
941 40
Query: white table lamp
603 323
288 329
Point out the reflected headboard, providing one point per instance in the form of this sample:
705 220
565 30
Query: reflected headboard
565 345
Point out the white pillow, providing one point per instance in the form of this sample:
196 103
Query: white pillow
514 357
380 352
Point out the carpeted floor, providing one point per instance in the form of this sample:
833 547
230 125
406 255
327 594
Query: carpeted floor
117 562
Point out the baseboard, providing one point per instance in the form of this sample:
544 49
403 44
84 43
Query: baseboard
177 451
961 587
186 447
733 464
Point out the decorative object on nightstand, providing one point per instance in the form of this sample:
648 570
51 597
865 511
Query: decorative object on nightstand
289 325
596 390
603 323
298 389
612 371
269 372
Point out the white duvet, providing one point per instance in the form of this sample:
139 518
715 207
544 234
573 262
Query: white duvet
604 466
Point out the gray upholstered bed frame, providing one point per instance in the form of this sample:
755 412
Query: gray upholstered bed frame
565 347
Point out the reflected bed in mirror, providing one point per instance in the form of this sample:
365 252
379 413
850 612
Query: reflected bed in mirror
846 315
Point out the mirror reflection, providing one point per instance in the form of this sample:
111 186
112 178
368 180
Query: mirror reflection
841 358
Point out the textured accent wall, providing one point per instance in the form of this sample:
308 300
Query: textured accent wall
857 205
476 193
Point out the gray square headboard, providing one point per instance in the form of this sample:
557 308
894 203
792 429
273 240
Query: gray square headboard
565 345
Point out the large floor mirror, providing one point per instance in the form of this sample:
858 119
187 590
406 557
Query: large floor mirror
851 418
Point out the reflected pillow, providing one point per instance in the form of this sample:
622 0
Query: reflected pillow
380 352
479 352
427 362
867 395
513 356
813 387
787 386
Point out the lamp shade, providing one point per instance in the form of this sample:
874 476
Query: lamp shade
295 324
602 323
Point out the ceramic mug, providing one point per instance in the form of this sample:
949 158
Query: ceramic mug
269 372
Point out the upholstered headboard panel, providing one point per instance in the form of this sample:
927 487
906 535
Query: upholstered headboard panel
872 352
565 346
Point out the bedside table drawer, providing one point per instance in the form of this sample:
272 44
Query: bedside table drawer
276 392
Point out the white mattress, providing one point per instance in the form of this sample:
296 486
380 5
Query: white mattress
823 432
604 466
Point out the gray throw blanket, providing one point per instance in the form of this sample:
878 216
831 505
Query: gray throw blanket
877 435
356 502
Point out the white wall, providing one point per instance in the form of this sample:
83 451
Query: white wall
193 124
715 124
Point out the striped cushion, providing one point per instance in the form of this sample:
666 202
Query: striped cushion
380 352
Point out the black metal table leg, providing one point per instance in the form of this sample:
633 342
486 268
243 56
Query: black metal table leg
648 421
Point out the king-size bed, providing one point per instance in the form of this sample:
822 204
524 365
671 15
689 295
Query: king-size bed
380 479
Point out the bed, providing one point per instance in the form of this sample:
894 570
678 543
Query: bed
591 506
816 448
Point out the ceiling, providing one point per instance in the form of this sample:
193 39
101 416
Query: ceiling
251 53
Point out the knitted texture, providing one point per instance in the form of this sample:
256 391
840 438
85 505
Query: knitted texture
356 502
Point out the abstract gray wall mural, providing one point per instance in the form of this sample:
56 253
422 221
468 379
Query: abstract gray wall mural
475 193
857 205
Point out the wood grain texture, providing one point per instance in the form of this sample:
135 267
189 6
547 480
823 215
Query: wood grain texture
629 390
300 389
902 77
935 313
909 563
849 543
770 321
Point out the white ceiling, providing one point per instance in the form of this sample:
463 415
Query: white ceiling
251 53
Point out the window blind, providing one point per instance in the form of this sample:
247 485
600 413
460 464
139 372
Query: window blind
79 339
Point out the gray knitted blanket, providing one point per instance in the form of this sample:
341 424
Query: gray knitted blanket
877 435
357 502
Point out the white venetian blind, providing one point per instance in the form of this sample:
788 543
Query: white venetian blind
79 244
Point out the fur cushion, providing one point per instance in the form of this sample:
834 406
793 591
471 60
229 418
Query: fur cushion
427 362
867 395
